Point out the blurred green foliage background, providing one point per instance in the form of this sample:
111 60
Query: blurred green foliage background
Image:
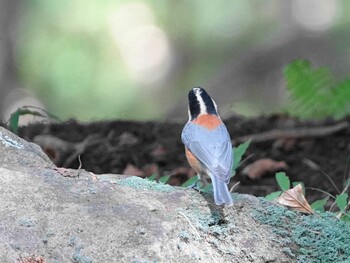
135 59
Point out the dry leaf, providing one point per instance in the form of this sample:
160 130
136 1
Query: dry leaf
151 169
260 167
133 170
295 199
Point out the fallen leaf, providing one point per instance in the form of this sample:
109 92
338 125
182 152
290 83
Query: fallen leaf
133 170
151 169
295 199
146 171
259 168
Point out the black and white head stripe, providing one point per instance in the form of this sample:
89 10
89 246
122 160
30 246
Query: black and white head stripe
200 103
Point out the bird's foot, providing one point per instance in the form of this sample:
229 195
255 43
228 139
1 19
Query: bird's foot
195 186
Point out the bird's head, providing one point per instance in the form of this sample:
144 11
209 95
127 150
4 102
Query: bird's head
199 102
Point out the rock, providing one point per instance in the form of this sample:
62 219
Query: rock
18 153
114 218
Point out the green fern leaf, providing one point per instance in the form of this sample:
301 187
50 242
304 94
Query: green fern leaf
314 92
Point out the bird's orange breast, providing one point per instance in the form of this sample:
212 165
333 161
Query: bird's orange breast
193 161
208 121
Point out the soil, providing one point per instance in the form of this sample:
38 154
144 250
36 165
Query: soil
311 152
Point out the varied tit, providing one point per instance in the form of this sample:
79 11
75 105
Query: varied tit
208 145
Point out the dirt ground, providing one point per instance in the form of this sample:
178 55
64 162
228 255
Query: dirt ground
309 151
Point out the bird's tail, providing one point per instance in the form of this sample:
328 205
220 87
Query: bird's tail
221 193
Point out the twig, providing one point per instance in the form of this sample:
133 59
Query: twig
315 165
244 161
234 186
80 165
197 234
320 190
294 133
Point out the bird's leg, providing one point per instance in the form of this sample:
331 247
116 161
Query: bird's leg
205 181
195 185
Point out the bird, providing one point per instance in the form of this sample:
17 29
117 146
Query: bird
208 144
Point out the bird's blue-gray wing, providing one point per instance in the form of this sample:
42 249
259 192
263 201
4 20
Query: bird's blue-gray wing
212 147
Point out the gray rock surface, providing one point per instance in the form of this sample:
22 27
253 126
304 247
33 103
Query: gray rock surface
76 216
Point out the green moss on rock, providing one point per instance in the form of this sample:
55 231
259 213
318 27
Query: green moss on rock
144 184
319 238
